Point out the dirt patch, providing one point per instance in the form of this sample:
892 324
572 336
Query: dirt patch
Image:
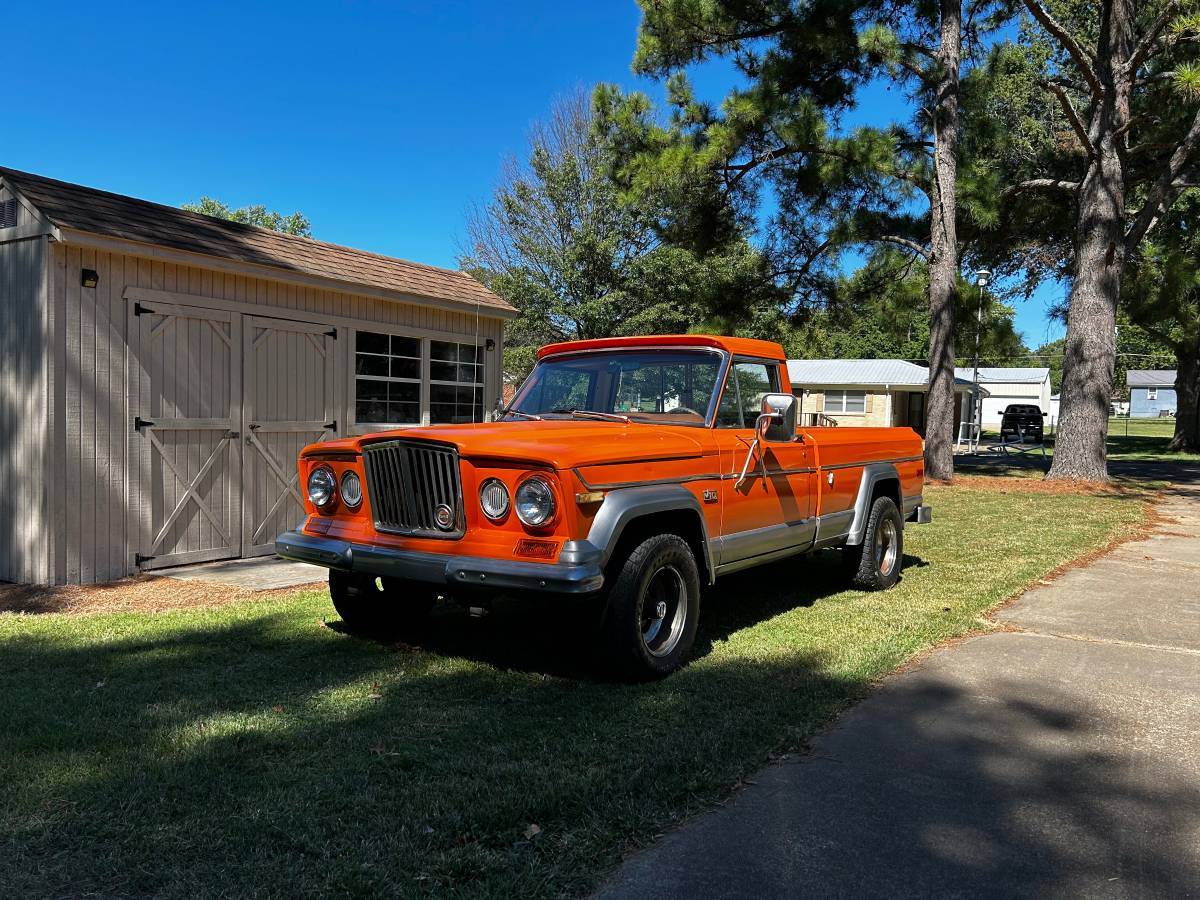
145 593
1017 484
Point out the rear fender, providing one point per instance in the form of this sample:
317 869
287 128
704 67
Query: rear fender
873 474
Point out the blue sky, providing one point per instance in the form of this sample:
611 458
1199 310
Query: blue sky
382 122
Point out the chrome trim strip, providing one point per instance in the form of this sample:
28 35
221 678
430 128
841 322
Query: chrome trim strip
616 485
728 476
871 462
756 542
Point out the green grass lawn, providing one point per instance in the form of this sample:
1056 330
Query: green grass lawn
253 750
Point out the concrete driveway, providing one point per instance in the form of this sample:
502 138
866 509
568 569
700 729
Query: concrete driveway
1060 758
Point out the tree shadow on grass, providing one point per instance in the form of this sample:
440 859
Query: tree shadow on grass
272 756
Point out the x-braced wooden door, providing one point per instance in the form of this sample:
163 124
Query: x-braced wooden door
289 371
185 465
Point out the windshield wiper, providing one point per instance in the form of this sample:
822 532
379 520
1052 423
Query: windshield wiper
517 412
593 414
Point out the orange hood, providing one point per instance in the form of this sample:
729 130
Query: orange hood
560 444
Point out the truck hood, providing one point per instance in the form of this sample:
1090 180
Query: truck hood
561 444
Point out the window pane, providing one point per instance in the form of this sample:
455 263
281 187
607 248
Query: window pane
370 411
405 346
406 368
404 413
443 371
443 350
729 414
754 381
407 391
371 365
370 389
856 401
370 342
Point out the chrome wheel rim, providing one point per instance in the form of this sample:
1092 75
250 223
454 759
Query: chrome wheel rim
664 611
886 544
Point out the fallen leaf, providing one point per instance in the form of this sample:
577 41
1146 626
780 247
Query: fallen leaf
532 831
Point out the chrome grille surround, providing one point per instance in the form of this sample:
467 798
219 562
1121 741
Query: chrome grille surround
407 481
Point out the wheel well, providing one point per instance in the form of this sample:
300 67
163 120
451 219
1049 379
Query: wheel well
888 487
683 522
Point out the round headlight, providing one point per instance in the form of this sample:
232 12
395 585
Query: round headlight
351 490
493 498
535 502
321 486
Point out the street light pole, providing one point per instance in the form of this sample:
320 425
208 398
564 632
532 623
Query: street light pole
982 277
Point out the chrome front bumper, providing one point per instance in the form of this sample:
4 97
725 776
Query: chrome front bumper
582 577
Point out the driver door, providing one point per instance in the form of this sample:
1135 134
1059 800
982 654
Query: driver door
764 513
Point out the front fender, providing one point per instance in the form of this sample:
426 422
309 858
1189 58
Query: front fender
625 505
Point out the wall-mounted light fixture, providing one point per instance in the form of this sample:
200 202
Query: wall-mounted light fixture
89 278
490 344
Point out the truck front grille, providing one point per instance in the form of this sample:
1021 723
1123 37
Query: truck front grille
407 483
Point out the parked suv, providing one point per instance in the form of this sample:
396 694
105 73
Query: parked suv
1022 422
632 469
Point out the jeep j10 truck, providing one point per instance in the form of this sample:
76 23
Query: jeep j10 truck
632 470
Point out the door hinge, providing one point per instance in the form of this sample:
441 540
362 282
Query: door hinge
139 310
332 332
233 435
139 423
139 559
331 426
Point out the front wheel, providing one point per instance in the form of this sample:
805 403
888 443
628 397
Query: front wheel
652 609
874 565
380 607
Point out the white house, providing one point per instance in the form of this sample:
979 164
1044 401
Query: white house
876 392
1002 386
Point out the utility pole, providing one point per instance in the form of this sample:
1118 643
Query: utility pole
982 277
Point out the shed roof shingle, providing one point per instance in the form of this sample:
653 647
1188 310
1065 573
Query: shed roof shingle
872 372
114 215
1150 377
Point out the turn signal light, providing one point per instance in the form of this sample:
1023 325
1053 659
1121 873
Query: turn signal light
537 549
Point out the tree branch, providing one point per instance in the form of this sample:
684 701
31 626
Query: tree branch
1161 197
1041 184
906 243
1142 50
1068 42
1072 117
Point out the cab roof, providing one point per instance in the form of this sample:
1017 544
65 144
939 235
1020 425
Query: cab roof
736 346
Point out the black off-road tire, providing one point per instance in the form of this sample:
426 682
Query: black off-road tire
659 570
380 607
874 565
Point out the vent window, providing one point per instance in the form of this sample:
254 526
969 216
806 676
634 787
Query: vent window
8 214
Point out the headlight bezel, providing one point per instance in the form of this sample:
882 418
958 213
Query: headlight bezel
346 494
536 482
508 500
331 486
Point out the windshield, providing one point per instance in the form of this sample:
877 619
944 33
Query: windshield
668 386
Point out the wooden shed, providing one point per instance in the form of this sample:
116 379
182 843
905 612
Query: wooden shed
160 371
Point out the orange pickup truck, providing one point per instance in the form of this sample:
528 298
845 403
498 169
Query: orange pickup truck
630 469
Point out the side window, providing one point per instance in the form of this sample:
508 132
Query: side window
744 389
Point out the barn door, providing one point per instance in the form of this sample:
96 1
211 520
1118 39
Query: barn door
289 402
185 454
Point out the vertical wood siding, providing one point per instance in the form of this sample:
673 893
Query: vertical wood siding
23 414
100 501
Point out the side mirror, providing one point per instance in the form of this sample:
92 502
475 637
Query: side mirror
777 424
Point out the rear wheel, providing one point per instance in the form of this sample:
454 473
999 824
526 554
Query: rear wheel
652 609
874 565
380 607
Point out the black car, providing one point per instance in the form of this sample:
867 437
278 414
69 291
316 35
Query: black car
1022 422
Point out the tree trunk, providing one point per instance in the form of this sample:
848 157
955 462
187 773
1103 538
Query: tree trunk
943 251
1187 398
1079 451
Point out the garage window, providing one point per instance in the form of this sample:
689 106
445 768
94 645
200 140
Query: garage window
387 379
1152 393
455 383
846 401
